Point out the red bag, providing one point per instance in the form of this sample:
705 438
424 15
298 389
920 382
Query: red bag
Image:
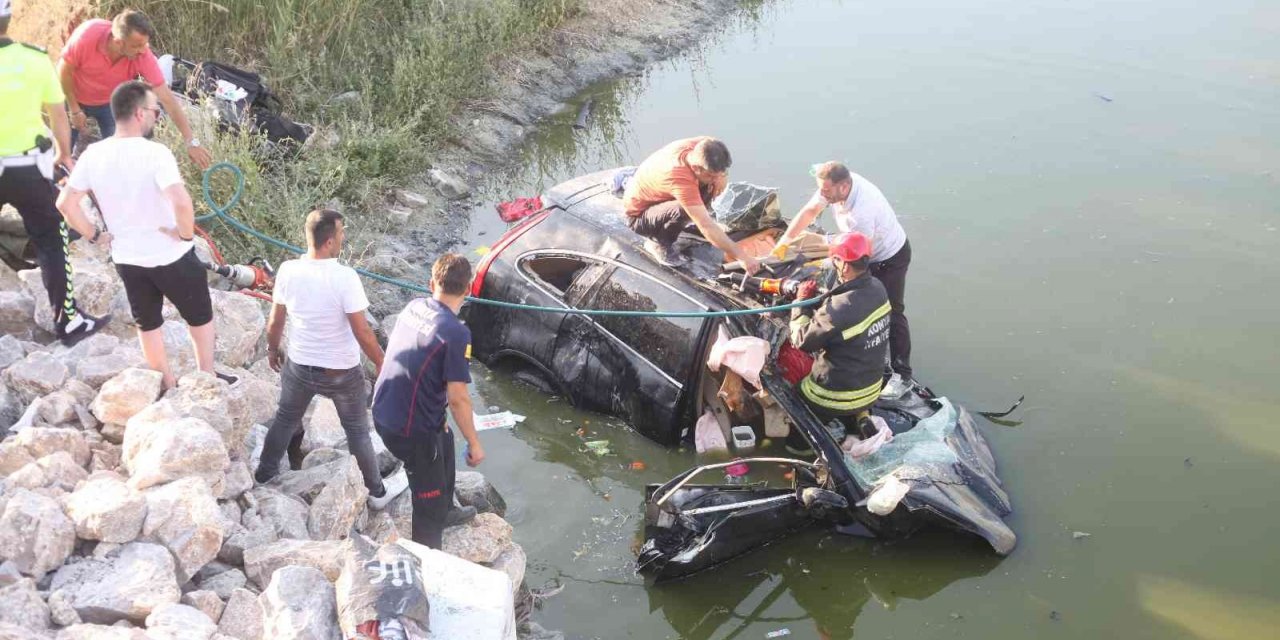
519 208
793 363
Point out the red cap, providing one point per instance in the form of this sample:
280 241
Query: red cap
854 247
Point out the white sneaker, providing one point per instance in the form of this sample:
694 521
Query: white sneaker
394 485
895 387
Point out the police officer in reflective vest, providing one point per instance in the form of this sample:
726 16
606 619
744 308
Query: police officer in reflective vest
848 335
28 88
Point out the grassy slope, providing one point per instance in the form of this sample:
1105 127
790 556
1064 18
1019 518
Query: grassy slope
414 64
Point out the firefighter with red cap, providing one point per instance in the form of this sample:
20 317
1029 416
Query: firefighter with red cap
848 335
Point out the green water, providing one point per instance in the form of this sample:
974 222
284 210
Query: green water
1090 190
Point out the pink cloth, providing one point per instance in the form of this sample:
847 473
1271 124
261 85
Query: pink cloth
95 76
745 355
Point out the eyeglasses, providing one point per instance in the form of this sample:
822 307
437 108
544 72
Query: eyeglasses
155 111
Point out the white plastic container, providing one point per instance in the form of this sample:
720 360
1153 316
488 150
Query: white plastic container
744 439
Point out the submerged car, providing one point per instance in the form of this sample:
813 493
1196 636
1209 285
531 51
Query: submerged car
577 253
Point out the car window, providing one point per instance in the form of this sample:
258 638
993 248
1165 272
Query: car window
556 271
666 342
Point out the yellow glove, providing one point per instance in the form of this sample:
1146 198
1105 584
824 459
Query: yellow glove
780 250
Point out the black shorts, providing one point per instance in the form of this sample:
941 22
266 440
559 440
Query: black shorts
182 281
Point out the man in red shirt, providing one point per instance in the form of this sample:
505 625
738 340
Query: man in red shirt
102 55
676 185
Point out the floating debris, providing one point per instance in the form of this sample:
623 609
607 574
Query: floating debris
1076 535
779 633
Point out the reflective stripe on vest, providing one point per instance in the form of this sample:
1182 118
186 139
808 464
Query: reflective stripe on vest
840 400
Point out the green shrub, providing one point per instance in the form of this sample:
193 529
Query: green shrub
415 64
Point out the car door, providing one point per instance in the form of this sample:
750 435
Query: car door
637 365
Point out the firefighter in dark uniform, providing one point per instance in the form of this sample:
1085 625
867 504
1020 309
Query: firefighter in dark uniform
848 335
28 88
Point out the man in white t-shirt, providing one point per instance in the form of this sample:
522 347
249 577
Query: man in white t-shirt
323 303
149 224
858 206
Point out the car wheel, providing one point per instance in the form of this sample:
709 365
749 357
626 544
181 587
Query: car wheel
535 379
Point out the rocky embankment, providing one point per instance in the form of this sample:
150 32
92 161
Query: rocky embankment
126 512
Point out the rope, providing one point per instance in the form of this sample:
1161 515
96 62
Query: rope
221 213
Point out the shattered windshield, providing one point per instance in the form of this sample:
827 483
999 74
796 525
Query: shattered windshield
921 452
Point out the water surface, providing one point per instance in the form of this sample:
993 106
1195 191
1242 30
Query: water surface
1090 191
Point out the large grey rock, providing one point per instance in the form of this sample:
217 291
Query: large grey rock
340 504
11 350
207 602
95 371
16 312
105 508
13 456
395 521
11 409
449 186
481 540
29 477
97 287
300 604
473 489
126 394
239 327
223 582
60 610
324 429
240 538
513 562
36 375
259 397
238 480
35 535
323 455
101 632
285 514
326 555
21 604
125 585
64 405
158 449
98 344
172 621
242 617
42 441
105 456
201 395
307 483
184 517
61 471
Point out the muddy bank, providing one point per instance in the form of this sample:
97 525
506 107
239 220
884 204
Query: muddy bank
610 39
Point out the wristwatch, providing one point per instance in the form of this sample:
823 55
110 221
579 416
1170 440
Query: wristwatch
195 142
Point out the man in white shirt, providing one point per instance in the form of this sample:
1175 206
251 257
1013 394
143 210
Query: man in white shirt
858 206
149 222
323 303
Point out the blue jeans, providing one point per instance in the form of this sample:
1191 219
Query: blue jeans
298 385
101 114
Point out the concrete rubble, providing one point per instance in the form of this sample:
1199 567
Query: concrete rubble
131 512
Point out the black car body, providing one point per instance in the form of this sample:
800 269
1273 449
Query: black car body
578 253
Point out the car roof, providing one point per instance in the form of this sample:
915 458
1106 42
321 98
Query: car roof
588 200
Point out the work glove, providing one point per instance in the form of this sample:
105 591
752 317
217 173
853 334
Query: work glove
780 250
807 289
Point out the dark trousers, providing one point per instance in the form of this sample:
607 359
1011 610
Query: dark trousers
298 385
662 222
892 273
100 114
429 461
34 196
